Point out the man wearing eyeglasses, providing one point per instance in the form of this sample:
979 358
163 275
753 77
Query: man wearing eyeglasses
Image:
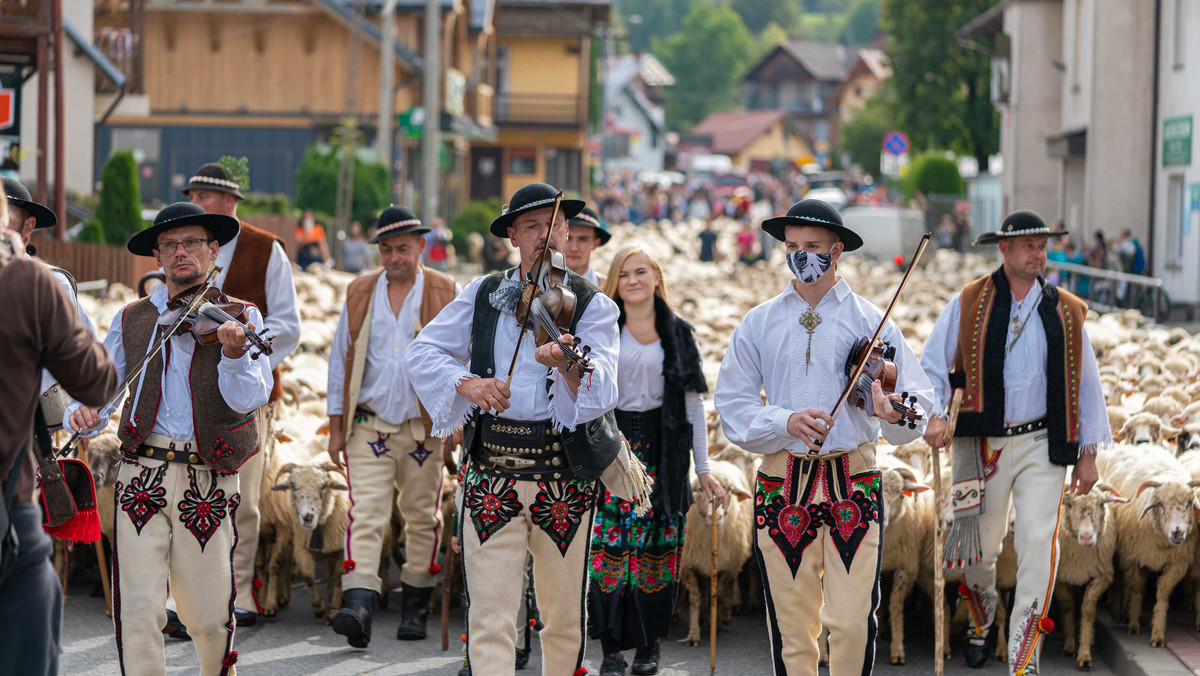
254 266
189 423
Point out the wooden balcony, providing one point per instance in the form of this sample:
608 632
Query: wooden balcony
21 23
480 100
561 110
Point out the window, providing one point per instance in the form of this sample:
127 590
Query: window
1177 215
1180 34
563 168
522 161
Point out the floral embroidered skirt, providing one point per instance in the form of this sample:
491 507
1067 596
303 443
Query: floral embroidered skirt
634 560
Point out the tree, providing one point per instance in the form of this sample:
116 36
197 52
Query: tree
119 214
933 174
861 138
758 14
707 59
771 37
861 24
658 18
316 185
946 88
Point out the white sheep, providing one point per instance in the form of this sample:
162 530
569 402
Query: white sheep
1164 407
1144 428
1160 488
1190 414
275 517
735 534
320 507
1188 439
1190 459
1087 541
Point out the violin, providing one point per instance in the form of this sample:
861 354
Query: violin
213 311
548 305
879 366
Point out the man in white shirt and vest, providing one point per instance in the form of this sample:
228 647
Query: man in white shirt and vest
529 482
254 267
380 433
818 506
587 233
189 423
1032 406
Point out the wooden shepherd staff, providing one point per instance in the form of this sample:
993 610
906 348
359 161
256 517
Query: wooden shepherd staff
939 575
712 603
447 577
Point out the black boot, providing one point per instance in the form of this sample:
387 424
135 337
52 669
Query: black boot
353 620
244 618
979 649
466 668
613 665
175 628
645 660
414 613
522 658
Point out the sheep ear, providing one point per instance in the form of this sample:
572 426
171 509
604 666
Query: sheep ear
1147 484
339 486
282 437
912 488
741 494
1113 497
282 486
1120 435
330 467
323 430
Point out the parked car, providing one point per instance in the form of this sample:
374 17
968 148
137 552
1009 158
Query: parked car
832 196
886 231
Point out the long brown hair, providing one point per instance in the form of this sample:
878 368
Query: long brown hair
614 274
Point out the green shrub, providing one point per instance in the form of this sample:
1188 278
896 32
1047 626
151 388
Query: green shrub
317 182
933 174
91 231
476 216
262 203
120 209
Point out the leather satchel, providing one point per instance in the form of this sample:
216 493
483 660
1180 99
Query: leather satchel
592 446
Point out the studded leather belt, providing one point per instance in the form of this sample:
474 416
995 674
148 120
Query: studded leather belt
526 449
165 454
1025 428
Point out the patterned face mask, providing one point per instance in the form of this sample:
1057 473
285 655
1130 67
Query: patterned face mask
809 267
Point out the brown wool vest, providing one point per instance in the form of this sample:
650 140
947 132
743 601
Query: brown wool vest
247 276
437 293
224 438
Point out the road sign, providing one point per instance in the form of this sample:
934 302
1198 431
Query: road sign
895 143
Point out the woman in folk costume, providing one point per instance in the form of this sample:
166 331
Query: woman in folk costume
1032 406
635 559
817 500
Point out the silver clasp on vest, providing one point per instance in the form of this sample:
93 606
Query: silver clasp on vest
509 462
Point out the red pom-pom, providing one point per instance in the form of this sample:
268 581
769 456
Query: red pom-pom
898 260
581 671
348 565
964 591
230 659
533 623
1045 625
434 569
258 584
463 638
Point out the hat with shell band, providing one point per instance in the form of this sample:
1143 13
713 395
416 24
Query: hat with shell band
588 217
213 176
529 198
397 220
223 228
813 212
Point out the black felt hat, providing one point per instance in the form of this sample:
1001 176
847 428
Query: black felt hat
813 212
224 228
214 176
19 196
532 197
1018 224
397 220
590 218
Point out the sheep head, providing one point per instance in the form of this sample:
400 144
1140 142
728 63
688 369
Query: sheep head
1084 516
1170 507
1144 428
1188 438
898 483
311 489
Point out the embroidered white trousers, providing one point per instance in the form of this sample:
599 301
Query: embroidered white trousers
381 459
175 524
1019 467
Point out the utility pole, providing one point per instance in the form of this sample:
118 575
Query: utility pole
387 73
432 138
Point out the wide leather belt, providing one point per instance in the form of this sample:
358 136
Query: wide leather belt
165 454
1024 428
524 449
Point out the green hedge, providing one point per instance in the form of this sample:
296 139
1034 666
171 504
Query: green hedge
476 216
933 174
316 186
119 213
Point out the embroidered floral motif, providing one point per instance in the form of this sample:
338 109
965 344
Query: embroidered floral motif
979 603
491 501
379 446
131 430
144 496
558 509
791 527
221 449
202 514
850 519
420 454
1032 627
1070 371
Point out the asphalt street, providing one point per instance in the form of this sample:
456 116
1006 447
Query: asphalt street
295 643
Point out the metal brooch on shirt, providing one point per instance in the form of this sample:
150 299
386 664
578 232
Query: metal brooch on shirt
809 320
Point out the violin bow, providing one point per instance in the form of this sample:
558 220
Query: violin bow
537 265
196 301
866 353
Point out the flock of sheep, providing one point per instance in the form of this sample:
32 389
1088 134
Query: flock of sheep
1139 519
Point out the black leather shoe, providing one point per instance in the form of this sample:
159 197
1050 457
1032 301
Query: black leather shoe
414 613
613 665
353 619
244 618
175 628
978 650
645 660
466 668
522 658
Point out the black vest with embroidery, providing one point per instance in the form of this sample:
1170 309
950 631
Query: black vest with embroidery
483 357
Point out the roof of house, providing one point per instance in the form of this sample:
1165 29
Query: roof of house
732 131
869 62
625 68
823 61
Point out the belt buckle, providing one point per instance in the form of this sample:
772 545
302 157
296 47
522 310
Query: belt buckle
509 462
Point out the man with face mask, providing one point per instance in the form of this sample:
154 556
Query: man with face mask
378 430
187 426
1032 406
525 485
818 506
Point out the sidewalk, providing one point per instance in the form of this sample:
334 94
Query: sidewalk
1132 655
